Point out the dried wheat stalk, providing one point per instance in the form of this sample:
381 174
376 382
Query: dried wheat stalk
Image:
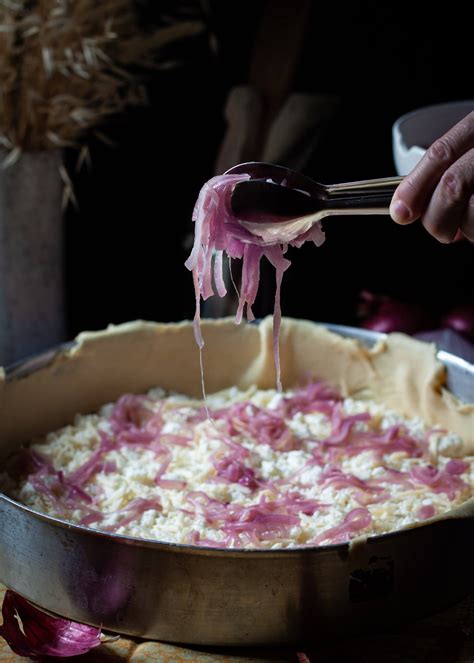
65 65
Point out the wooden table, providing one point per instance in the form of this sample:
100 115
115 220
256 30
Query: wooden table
444 638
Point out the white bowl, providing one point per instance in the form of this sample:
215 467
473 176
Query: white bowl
414 132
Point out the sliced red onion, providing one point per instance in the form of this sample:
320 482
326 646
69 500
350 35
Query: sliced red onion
92 516
193 537
275 255
133 423
426 511
314 397
135 436
394 439
154 423
108 467
129 412
196 540
73 491
264 526
173 484
41 486
60 490
367 493
163 467
94 463
132 511
239 451
266 520
439 481
197 416
33 633
29 461
136 507
364 499
395 477
294 503
356 521
456 467
342 426
428 474
318 458
265 426
217 230
234 471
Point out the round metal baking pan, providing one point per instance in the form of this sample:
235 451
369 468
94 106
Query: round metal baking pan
195 595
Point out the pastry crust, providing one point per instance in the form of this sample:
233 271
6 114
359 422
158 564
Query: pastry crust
400 372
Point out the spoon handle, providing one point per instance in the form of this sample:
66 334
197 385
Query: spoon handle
381 185
365 197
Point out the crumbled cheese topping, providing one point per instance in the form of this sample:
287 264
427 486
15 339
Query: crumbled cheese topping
276 470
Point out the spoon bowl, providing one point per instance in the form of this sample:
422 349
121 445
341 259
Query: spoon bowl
279 202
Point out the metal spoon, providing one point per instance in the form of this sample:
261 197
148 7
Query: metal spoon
280 204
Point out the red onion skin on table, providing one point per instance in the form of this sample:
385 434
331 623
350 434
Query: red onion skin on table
42 635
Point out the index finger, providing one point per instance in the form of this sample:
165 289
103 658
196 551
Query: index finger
411 198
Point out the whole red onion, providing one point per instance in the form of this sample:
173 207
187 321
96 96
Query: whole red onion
461 320
384 314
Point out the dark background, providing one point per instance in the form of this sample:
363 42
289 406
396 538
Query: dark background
125 245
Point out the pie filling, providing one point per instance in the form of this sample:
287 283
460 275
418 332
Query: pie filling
266 469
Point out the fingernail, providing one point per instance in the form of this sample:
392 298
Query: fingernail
399 211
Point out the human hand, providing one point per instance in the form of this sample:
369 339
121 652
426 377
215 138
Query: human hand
440 189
